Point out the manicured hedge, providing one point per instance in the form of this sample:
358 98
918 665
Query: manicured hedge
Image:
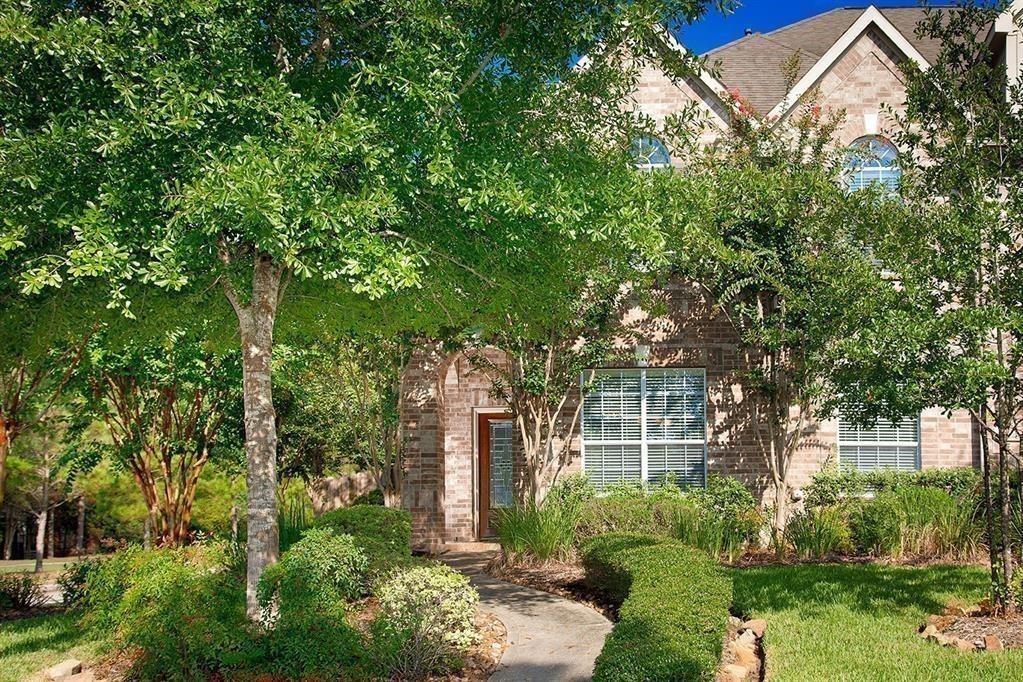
674 608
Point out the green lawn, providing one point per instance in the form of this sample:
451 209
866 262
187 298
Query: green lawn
859 622
29 645
28 565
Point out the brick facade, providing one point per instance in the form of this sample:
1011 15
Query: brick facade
441 394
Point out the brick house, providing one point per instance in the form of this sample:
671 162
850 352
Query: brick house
680 407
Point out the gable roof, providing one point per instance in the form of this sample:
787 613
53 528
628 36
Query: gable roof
754 65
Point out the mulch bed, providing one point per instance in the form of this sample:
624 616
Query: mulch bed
973 628
483 659
8 615
563 578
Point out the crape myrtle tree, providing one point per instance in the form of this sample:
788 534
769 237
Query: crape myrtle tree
168 407
243 144
944 326
770 214
544 351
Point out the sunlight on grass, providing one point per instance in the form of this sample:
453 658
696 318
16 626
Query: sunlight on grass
29 645
844 622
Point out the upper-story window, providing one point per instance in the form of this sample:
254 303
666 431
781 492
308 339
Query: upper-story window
650 153
872 160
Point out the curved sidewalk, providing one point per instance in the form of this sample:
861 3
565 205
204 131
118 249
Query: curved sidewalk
549 637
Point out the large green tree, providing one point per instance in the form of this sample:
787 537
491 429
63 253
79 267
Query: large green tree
241 144
942 323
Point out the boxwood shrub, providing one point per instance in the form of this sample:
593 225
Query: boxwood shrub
674 608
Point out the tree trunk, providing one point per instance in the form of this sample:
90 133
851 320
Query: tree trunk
989 509
147 532
50 532
234 524
256 325
5 448
41 519
80 529
10 530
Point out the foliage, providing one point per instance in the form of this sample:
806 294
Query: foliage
74 580
722 518
830 485
766 213
169 407
293 519
323 566
918 522
185 621
537 532
674 608
818 532
359 149
304 602
338 406
571 491
181 610
427 619
948 334
858 622
19 591
384 534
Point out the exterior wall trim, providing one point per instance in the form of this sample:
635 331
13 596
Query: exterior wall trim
870 16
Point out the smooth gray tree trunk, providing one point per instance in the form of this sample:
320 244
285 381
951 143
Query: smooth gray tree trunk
256 320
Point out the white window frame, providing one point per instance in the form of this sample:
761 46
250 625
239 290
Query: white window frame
643 441
859 176
916 445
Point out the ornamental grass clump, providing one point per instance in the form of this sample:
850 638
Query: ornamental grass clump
818 532
20 591
537 532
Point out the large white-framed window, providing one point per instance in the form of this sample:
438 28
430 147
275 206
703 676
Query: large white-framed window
873 160
642 424
882 445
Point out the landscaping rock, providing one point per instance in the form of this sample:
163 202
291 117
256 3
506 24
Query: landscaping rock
64 669
992 643
757 625
744 655
961 644
734 673
929 632
747 638
84 676
734 623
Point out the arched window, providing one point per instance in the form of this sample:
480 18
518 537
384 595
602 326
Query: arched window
873 159
650 153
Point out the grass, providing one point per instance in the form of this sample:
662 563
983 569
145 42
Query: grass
859 622
28 565
29 645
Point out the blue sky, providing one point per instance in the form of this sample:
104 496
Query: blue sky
763 16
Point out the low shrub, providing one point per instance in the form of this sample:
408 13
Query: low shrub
426 622
74 579
384 534
537 533
831 485
721 518
571 491
183 620
303 598
179 610
18 591
817 532
674 608
915 521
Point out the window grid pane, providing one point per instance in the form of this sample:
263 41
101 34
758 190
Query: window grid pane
645 420
882 445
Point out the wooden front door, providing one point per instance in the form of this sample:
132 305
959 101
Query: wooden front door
496 485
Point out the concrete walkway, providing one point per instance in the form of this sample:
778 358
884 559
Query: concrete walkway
549 637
